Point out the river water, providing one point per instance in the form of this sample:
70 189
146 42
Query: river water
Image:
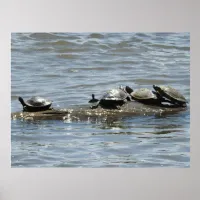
68 67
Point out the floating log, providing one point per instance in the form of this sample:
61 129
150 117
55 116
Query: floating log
82 113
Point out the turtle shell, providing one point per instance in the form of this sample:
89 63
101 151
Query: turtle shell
143 94
146 96
113 98
115 95
170 93
38 102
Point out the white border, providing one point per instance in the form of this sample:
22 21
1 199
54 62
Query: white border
98 16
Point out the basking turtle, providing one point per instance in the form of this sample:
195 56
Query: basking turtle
147 96
113 99
172 94
126 89
35 104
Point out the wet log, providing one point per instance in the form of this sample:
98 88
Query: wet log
80 113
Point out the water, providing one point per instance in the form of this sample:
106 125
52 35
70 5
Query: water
68 67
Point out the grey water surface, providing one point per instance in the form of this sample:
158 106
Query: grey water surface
68 67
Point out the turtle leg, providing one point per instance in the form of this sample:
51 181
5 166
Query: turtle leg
118 107
161 99
25 109
94 106
166 101
184 105
180 104
128 98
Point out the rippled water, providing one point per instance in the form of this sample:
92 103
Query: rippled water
68 67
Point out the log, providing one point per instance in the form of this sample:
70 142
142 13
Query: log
85 113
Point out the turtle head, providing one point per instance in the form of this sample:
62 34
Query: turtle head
22 101
156 88
128 89
93 100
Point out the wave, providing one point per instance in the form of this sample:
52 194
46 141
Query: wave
67 56
163 46
62 43
96 35
42 36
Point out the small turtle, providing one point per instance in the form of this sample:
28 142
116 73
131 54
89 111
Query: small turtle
35 104
172 94
113 99
147 96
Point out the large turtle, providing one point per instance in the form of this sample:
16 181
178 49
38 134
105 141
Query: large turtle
35 104
112 99
172 94
147 96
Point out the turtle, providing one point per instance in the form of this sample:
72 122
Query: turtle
172 94
112 99
147 96
35 104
